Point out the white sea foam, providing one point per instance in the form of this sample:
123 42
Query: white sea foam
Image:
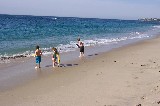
54 18
90 42
98 41
156 26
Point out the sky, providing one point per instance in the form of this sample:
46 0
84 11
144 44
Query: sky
107 9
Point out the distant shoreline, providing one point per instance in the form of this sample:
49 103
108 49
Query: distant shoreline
150 19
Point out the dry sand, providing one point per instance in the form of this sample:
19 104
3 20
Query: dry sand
127 76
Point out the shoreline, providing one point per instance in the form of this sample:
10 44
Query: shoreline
23 67
124 76
4 58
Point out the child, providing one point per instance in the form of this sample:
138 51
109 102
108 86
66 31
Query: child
81 46
38 54
55 56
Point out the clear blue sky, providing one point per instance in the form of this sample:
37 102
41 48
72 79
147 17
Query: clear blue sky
117 9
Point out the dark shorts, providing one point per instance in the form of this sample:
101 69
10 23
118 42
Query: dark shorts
38 59
82 49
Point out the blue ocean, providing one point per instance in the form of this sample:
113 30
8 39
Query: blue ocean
19 34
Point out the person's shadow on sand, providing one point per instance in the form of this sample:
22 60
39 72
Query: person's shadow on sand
63 65
92 54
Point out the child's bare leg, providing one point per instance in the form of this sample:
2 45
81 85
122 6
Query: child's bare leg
53 63
39 65
36 66
80 54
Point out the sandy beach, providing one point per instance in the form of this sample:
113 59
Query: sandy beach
125 76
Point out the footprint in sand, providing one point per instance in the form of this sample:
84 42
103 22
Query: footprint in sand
136 77
143 97
142 72
139 105
155 88
99 73
143 65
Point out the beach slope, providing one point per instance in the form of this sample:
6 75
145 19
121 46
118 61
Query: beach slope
127 76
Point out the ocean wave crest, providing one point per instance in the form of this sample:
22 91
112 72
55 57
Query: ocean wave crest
72 45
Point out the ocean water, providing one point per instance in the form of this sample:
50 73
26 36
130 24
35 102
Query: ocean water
20 34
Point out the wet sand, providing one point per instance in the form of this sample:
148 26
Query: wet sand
126 76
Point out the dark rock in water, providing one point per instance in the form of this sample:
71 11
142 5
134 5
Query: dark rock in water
20 56
3 58
12 57
115 61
